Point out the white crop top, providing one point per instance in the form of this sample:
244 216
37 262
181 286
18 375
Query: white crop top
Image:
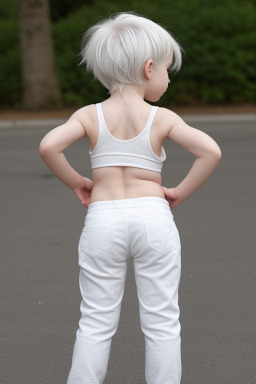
136 152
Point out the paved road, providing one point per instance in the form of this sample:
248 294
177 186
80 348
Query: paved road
41 220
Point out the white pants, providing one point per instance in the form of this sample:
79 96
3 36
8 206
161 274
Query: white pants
144 229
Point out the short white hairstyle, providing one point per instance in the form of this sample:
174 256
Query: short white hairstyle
116 49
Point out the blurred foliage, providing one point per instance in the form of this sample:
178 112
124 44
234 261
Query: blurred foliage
63 8
10 67
218 38
58 9
8 10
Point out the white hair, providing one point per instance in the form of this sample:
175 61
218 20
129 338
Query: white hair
116 49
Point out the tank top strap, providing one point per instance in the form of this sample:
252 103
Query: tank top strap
151 118
102 129
99 113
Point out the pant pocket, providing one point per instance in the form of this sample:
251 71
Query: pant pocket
94 239
161 236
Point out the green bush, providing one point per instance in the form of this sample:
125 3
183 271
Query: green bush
10 71
218 37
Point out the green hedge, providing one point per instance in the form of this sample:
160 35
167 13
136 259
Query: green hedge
218 37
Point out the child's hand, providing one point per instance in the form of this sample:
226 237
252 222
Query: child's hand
83 191
171 197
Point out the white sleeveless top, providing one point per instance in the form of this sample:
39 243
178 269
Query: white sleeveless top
136 152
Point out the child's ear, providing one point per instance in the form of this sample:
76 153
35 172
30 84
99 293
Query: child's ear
148 69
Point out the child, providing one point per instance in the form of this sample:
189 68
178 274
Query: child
129 212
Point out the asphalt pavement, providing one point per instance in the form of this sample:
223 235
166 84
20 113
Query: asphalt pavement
41 222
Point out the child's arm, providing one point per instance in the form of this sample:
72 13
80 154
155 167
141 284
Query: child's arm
201 145
53 144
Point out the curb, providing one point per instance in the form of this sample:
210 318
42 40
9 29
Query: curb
52 123
31 123
221 118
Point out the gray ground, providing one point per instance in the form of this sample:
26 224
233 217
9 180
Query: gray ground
41 221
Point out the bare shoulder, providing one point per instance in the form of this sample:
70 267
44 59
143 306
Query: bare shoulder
167 119
86 116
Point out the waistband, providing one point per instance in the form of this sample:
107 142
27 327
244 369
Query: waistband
126 203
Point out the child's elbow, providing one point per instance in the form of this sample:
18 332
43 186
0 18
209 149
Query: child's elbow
217 153
44 148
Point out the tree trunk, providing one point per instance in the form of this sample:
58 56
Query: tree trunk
40 84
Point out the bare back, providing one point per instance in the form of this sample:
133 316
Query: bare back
124 123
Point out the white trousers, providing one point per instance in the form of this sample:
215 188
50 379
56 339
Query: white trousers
142 228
